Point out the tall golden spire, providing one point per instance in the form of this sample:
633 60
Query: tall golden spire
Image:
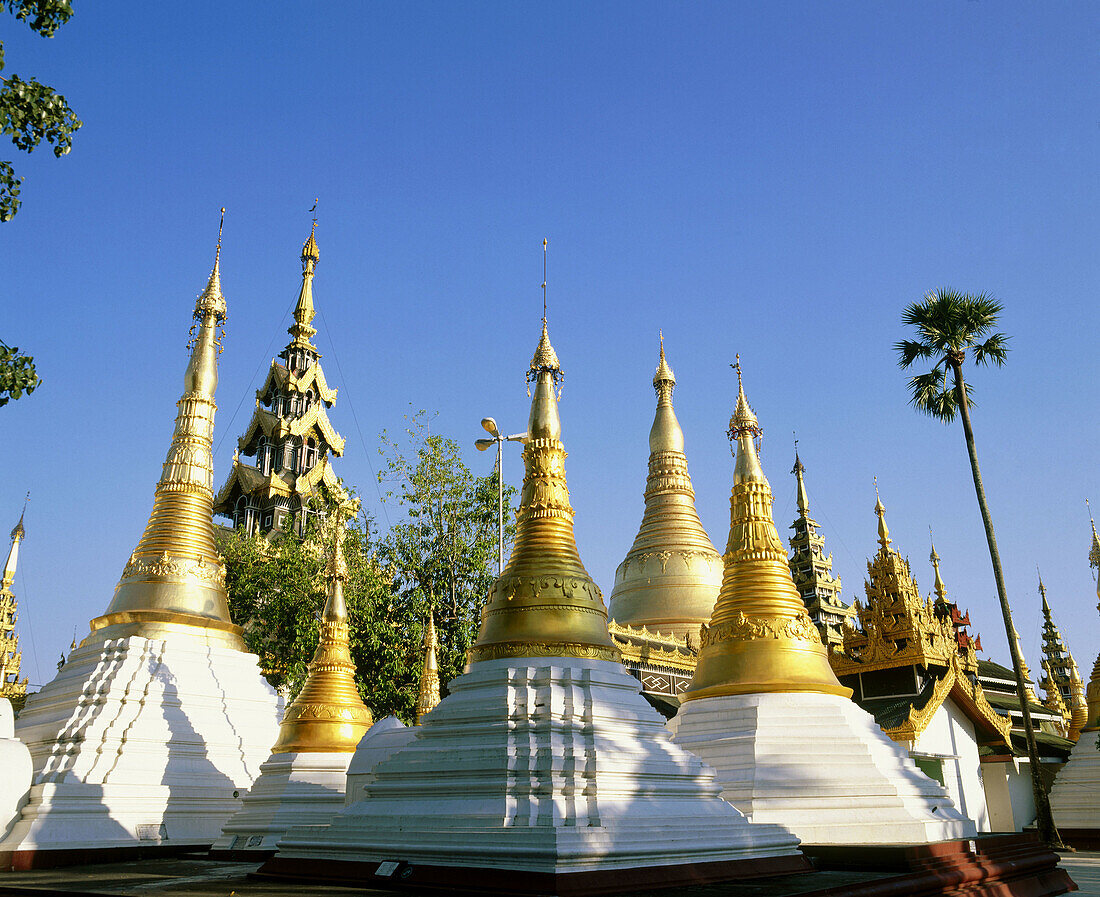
799 470
1078 705
670 577
939 588
428 697
544 604
760 638
1054 702
175 577
11 658
1028 690
301 329
328 715
17 535
883 529
1092 692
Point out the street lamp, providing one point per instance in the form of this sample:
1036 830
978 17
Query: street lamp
498 439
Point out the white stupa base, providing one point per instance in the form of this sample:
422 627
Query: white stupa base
1075 797
293 789
535 765
819 765
15 761
140 743
380 741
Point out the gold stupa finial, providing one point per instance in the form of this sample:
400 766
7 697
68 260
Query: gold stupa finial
428 696
883 529
544 604
545 358
1094 551
799 470
18 533
175 576
760 637
939 588
304 312
664 380
665 435
328 716
1028 690
1078 703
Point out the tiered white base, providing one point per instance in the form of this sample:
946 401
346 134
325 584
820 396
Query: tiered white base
141 742
551 765
293 789
384 738
15 761
1075 797
819 765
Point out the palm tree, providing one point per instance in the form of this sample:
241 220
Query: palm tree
949 325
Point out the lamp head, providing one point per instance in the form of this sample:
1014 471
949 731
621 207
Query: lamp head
490 426
483 444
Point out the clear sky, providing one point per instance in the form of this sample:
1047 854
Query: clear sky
774 180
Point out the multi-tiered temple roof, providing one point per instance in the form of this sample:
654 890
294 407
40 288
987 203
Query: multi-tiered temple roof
290 436
812 570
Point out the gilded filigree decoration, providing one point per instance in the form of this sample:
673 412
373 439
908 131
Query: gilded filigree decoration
797 628
167 566
501 650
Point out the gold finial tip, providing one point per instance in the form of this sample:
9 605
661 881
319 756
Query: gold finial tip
744 419
664 374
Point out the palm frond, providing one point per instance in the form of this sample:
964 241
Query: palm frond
910 350
994 349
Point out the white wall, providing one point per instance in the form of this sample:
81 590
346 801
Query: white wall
950 736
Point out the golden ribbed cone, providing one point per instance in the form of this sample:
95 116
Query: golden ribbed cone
175 576
1078 705
544 604
760 638
304 310
328 715
670 577
428 696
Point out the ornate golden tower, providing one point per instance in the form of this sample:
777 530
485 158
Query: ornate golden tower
670 578
175 577
1092 693
290 435
1029 692
328 715
428 697
812 570
760 638
1054 702
1058 662
1078 705
544 604
11 658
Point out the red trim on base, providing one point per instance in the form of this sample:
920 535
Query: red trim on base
25 860
514 881
1016 865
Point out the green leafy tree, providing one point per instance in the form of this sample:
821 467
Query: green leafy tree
442 555
31 112
17 374
949 325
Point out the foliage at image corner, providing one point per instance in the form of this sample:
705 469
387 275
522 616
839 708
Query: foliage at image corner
440 554
17 374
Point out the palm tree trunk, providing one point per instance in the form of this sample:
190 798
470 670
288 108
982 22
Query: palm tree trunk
1044 820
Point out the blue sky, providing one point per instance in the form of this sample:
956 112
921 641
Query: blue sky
772 180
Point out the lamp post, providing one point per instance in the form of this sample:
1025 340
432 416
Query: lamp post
498 439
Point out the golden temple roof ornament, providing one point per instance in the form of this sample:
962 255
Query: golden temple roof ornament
175 576
11 658
328 716
1078 704
1092 692
428 695
670 577
760 637
883 529
1054 702
544 604
1029 692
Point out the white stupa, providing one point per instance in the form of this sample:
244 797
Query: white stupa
160 718
544 765
766 711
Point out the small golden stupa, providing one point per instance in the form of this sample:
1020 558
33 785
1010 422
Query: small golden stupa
760 637
544 604
1078 705
328 715
428 696
670 578
175 577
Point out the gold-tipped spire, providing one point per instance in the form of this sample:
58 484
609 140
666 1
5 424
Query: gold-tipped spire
544 604
17 535
799 470
671 575
1054 702
175 576
428 696
883 529
939 588
1092 692
328 716
1028 690
760 637
304 312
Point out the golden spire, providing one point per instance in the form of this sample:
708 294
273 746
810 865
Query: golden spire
17 535
1078 706
760 638
671 575
544 604
328 716
939 588
1092 693
304 310
175 576
428 697
799 470
883 529
1028 690
1054 702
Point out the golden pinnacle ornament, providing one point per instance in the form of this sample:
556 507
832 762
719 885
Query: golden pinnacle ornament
328 715
544 604
428 696
1092 692
760 638
175 577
